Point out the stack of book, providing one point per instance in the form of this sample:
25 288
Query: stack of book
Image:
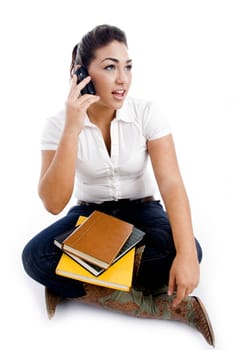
99 250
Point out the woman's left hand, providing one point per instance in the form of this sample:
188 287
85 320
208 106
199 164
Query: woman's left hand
184 277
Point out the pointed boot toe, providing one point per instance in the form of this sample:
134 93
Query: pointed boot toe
51 301
202 321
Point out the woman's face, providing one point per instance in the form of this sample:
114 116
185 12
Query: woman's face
111 74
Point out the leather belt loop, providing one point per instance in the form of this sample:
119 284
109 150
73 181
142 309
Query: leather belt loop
120 201
146 199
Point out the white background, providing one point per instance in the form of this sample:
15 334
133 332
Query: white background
182 53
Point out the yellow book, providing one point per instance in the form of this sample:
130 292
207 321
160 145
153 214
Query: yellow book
117 276
81 219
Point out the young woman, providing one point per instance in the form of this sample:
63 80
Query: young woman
100 145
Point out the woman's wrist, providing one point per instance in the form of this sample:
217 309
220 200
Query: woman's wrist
187 252
71 131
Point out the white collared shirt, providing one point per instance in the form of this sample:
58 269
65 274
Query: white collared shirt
123 174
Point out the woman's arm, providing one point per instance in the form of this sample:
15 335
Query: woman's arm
58 174
184 273
58 167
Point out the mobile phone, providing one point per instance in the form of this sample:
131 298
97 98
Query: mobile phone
82 73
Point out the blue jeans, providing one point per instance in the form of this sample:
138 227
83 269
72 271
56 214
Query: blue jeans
40 256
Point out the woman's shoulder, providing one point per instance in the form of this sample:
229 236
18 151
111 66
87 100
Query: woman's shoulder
148 115
57 118
52 130
140 108
54 122
137 102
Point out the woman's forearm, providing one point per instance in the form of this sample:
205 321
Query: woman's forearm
179 213
169 179
57 180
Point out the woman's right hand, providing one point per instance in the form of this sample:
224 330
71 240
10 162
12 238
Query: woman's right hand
77 105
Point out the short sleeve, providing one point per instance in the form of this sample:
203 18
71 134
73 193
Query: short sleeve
51 132
155 124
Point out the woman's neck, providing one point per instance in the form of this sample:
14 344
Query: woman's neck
100 115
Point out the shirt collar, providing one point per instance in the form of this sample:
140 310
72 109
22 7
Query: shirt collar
87 122
125 113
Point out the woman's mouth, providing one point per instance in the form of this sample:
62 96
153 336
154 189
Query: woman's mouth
119 94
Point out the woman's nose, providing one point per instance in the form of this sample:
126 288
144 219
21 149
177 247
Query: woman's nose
121 76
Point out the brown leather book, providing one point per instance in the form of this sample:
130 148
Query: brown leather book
99 239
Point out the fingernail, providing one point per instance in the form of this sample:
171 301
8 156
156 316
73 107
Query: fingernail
169 293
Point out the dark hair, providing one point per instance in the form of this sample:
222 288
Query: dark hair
102 35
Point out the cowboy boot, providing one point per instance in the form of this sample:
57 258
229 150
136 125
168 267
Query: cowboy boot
157 306
190 311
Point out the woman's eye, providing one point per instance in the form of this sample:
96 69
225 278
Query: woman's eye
110 67
129 67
